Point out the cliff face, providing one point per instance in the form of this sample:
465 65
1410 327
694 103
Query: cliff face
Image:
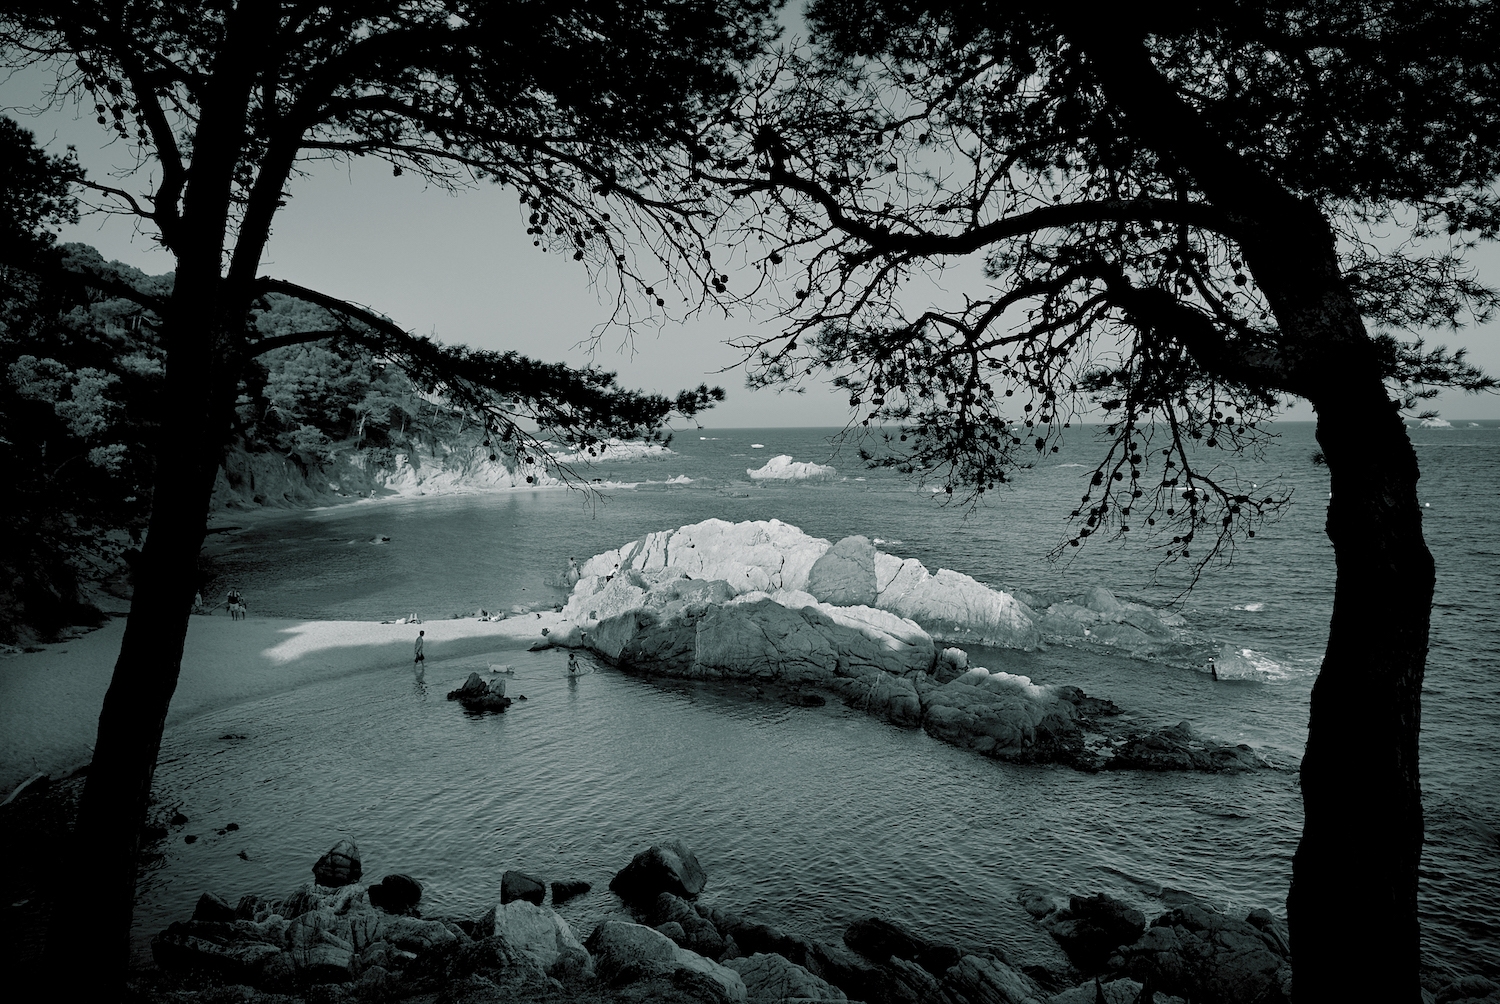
251 479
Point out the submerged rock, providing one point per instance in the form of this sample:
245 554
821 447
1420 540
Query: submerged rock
1178 747
568 889
879 940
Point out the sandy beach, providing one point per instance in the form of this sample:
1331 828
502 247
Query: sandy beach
50 700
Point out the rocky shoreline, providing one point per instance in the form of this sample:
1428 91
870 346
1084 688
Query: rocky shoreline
338 940
763 603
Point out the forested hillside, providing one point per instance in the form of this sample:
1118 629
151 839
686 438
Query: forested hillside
80 377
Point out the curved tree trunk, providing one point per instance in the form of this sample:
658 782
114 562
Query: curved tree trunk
106 837
1352 908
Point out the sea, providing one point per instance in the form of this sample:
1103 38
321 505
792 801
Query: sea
808 818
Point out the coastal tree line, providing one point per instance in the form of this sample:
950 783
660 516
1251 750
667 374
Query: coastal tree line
1182 219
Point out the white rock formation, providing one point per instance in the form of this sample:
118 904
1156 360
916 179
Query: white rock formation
769 556
784 468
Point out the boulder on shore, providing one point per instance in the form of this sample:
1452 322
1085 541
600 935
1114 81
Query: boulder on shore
769 977
636 956
1196 952
396 893
340 866
1091 928
665 867
535 930
516 885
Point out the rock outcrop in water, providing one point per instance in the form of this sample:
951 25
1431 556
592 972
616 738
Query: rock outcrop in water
765 603
479 695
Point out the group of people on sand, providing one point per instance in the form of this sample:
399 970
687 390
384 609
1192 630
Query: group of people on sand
234 603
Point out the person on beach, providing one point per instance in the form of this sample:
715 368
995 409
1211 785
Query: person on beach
421 659
574 572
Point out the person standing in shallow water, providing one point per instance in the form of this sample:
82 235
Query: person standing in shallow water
420 662
572 662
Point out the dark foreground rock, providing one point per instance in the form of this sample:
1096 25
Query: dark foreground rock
879 940
340 866
333 945
1200 953
666 867
396 893
1091 928
516 885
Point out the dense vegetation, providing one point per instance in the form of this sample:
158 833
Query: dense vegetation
81 374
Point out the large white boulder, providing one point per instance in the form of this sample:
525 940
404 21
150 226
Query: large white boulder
845 574
957 607
774 557
758 555
784 468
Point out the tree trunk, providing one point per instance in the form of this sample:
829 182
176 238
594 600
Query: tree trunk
1352 908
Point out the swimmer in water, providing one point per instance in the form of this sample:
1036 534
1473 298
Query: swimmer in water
572 662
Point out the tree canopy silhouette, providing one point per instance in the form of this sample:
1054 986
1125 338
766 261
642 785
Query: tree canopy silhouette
570 103
1183 216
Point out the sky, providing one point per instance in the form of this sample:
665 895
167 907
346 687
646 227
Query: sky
461 268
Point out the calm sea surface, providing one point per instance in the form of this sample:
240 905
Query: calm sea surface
810 818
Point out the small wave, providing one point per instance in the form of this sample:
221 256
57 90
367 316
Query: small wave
757 446
1069 465
1251 607
1233 663
893 543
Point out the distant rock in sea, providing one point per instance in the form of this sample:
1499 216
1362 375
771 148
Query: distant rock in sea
784 468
